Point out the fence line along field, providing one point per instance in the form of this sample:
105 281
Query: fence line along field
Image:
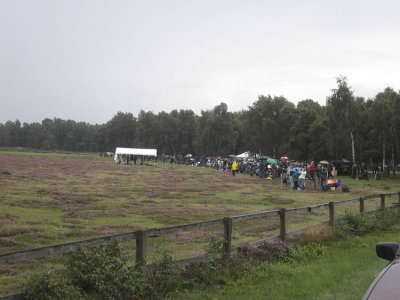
47 199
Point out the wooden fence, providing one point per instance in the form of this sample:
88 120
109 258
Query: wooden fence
142 235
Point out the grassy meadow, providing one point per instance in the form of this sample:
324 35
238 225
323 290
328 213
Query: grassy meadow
47 199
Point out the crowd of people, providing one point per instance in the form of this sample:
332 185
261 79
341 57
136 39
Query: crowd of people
292 174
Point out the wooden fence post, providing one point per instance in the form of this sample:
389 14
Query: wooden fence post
361 204
332 213
227 237
141 247
282 216
382 201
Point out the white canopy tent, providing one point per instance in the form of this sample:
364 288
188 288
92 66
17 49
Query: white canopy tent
243 155
134 151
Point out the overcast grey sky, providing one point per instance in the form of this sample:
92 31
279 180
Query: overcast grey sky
86 60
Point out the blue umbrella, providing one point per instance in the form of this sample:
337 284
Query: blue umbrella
295 169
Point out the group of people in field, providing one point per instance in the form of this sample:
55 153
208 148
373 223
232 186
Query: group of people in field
318 174
292 174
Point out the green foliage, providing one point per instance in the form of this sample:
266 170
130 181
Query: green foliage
358 242
282 252
102 271
305 252
215 245
99 272
267 252
52 286
162 277
359 224
217 272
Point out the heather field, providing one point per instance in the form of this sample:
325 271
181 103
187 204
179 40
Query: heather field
47 199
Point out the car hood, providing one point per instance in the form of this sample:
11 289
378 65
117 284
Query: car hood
387 283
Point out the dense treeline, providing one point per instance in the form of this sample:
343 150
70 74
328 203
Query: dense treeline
346 127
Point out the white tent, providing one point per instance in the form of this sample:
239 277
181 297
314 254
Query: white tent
243 155
134 151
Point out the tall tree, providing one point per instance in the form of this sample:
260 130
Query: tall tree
307 112
268 124
121 130
216 133
342 114
385 109
147 130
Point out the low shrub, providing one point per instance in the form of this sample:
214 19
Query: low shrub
162 277
358 224
388 219
282 252
267 252
306 252
102 271
50 287
215 245
99 272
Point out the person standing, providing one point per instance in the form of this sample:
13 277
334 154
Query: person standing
324 177
295 177
234 167
302 177
312 170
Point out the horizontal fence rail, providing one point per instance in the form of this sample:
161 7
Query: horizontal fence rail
142 235
156 232
153 232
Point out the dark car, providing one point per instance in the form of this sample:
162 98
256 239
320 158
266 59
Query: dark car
387 284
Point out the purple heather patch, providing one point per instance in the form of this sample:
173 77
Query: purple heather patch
7 242
12 231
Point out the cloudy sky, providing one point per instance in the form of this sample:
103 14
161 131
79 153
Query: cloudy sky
86 60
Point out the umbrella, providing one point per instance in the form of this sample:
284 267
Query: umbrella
324 162
232 156
271 161
189 155
283 158
263 157
295 169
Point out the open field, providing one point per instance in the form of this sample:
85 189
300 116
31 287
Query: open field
47 199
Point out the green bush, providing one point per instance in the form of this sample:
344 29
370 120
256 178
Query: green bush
358 224
267 252
50 287
215 245
99 272
162 277
103 271
306 252
387 219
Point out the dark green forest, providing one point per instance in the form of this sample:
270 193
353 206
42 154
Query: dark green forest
350 127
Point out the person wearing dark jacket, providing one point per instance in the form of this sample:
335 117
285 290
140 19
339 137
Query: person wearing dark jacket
295 177
324 177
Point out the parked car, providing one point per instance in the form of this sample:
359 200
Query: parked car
387 284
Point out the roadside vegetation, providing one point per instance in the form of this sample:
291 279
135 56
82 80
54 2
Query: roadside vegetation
329 263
